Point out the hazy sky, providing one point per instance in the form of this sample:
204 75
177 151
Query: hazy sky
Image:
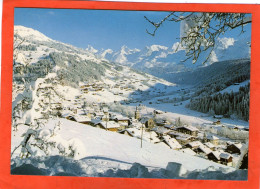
102 28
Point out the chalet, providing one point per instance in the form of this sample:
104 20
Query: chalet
184 139
234 148
82 119
124 121
193 131
146 136
213 139
109 125
162 122
194 145
168 126
214 156
203 149
160 131
226 159
99 114
126 132
210 145
172 142
94 122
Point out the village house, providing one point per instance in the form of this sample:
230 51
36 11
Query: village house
214 156
169 126
99 115
234 148
109 125
213 139
172 142
210 145
94 122
183 139
190 130
202 149
160 131
226 159
194 145
126 132
82 119
124 121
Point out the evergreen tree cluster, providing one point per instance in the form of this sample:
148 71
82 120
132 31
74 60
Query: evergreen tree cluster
225 73
27 47
227 104
72 69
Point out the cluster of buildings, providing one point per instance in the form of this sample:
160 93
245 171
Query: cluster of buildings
185 138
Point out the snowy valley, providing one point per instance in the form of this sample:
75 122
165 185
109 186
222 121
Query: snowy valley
80 112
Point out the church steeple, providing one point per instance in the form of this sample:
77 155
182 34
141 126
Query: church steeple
137 113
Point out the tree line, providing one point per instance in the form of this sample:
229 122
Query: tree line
234 103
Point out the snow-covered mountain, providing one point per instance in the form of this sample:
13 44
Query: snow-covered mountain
170 59
53 80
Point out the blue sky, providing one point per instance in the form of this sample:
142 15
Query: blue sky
102 28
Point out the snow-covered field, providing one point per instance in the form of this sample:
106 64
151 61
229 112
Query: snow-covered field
100 152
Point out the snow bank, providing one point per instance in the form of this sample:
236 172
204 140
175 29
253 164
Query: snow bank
61 166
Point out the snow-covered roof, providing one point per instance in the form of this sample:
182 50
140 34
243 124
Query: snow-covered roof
216 154
160 130
67 114
146 135
188 151
195 144
109 124
212 137
95 121
125 130
184 137
238 145
119 117
145 119
225 155
191 128
209 144
168 126
99 113
80 118
172 142
205 149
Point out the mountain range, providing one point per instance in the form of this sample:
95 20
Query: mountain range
159 60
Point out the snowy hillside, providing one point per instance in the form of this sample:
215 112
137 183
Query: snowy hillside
99 154
74 105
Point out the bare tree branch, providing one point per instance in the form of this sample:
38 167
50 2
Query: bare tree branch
202 29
